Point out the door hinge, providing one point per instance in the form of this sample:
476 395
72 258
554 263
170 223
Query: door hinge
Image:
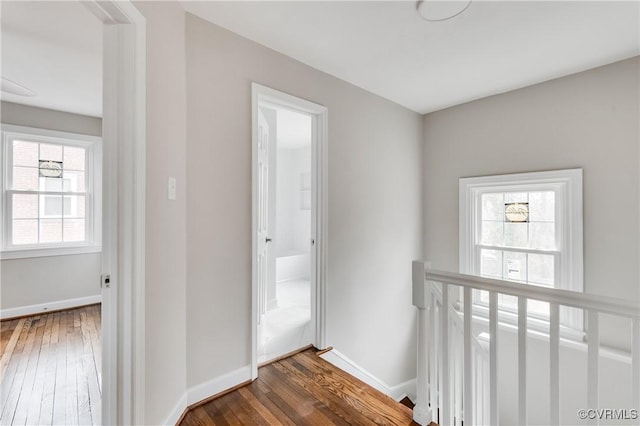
106 281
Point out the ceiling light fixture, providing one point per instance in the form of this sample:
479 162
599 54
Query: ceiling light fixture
13 88
441 10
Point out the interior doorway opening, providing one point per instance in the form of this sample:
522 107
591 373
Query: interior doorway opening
286 318
289 230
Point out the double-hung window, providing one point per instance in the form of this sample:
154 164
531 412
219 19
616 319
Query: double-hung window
525 228
50 192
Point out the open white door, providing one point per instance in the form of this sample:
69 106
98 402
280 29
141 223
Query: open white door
263 215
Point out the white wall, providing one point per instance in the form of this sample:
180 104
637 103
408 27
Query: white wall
375 208
165 299
587 120
293 223
44 280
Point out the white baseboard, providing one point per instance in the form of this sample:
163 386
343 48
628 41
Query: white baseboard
219 384
397 392
176 413
52 306
208 389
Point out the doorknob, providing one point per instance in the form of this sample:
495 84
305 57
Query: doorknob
267 240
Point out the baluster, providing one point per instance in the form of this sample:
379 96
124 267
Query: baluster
446 384
439 358
635 368
593 347
458 379
433 358
522 360
493 357
554 363
467 403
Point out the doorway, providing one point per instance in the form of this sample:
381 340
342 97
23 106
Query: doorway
288 214
51 251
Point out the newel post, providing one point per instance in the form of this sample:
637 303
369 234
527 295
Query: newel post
422 413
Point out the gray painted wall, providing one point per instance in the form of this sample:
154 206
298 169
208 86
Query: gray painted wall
25 115
38 280
587 120
375 208
166 254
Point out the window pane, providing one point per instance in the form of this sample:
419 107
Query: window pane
74 206
492 206
24 231
491 263
516 197
25 206
542 206
541 269
73 181
50 230
492 233
515 266
25 178
50 152
543 235
51 205
74 158
50 184
515 234
25 154
74 230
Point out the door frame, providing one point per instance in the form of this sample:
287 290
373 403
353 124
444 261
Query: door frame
261 94
123 237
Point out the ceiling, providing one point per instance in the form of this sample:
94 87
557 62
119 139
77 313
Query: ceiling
388 49
383 47
60 59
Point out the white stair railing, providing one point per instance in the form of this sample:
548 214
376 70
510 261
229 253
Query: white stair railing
458 380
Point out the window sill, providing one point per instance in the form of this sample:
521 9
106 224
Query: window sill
48 252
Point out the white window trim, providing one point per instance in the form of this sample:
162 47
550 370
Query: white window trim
93 144
568 183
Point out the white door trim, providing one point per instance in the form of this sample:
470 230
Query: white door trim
259 95
124 133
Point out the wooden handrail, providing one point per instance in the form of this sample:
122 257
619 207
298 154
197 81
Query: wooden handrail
574 299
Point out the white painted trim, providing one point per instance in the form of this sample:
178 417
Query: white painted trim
93 193
124 133
208 389
177 411
221 383
42 308
604 304
397 392
264 95
48 252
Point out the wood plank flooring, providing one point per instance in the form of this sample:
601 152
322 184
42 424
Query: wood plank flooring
301 390
51 368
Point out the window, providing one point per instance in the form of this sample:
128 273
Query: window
51 192
525 228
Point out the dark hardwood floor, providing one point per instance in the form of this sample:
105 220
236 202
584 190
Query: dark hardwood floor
51 368
301 390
